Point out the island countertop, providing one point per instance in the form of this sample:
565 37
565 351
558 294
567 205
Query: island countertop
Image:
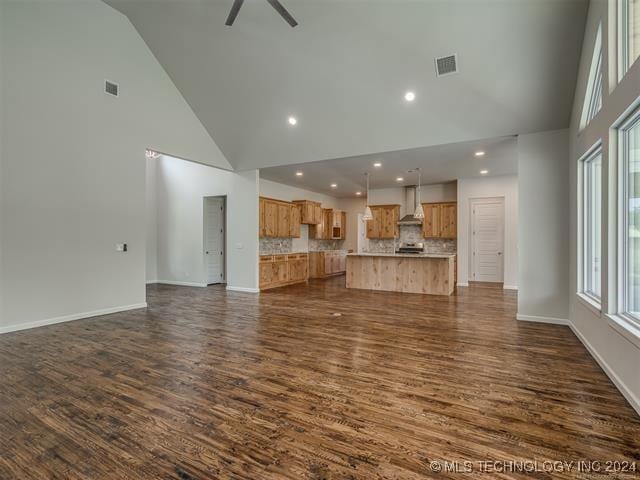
403 255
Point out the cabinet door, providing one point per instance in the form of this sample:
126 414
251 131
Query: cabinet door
389 221
266 273
283 224
431 222
280 271
373 225
270 218
294 221
343 225
448 220
328 263
342 262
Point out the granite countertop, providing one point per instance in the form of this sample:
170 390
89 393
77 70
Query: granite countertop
404 255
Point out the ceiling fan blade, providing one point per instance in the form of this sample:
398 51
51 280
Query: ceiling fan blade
235 8
283 12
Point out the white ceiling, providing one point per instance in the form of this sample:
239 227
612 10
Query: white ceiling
344 69
438 164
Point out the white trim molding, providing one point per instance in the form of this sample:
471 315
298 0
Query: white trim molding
535 318
625 328
462 284
510 287
181 284
243 289
620 385
69 318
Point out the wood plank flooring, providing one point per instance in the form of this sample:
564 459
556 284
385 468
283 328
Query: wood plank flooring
208 384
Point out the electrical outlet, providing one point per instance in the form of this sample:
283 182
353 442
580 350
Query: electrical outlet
121 247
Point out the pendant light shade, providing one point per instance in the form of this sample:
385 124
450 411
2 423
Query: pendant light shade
368 215
419 213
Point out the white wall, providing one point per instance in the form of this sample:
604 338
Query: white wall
543 177
500 186
180 190
615 353
151 259
73 165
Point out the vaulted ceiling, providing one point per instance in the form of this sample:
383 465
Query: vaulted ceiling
344 70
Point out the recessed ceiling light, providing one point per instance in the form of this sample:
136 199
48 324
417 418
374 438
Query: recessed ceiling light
399 179
293 120
377 164
484 172
299 174
480 154
358 193
334 185
409 96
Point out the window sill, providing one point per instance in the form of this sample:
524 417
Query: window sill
625 328
590 303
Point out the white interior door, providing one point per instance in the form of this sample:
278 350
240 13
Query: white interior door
214 239
487 240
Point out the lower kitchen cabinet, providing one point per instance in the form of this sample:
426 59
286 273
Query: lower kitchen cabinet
284 269
326 263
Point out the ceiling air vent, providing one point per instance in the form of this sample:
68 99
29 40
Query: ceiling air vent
447 65
111 88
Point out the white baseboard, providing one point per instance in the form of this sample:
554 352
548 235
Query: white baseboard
462 284
68 318
626 392
534 318
151 282
243 289
181 284
510 287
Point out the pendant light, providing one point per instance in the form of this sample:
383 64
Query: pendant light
368 215
419 213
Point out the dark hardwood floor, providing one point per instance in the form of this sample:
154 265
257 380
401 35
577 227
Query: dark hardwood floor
208 384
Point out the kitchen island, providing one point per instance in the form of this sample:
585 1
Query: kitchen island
427 273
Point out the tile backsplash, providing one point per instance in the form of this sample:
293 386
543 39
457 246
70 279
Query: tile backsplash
269 245
320 245
413 234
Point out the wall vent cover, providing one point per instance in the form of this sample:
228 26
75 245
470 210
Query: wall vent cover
447 65
111 88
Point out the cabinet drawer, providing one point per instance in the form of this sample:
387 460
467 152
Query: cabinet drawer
266 258
279 258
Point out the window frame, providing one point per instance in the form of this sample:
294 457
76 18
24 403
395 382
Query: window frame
631 121
592 103
623 37
591 300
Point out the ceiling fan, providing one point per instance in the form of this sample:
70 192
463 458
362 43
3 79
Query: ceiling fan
235 8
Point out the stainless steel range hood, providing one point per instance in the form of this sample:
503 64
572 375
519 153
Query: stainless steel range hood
410 207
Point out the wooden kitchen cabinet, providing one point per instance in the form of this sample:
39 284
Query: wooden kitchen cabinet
294 221
281 270
310 212
324 229
385 221
278 218
440 220
327 262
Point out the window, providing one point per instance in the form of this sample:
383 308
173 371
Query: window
629 33
630 217
591 191
593 95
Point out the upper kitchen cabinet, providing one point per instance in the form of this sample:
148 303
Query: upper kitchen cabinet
323 230
385 221
310 212
278 218
339 225
440 220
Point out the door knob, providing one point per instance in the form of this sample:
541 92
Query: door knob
207 253
499 253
